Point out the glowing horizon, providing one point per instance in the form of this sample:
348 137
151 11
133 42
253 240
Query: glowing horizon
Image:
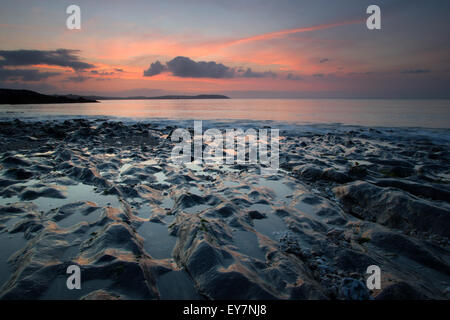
261 49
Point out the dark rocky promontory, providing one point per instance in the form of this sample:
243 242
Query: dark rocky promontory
12 96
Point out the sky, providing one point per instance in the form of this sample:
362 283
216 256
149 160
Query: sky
243 49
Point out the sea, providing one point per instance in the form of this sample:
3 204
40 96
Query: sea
359 112
420 118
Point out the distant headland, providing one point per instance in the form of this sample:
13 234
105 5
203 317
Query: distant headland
13 96
167 97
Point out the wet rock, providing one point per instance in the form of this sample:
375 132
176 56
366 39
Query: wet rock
48 192
352 289
393 208
116 235
189 200
18 207
254 214
204 258
128 191
81 207
399 171
18 174
447 292
27 226
336 234
400 291
16 161
88 176
102 295
40 168
225 209
336 176
126 276
308 172
212 268
354 261
357 171
225 252
11 191
34 285
417 189
241 201
289 243
392 162
6 182
402 245
56 132
235 284
65 155
306 291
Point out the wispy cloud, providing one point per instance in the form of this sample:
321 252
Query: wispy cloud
25 74
416 71
291 76
249 73
101 73
78 78
282 33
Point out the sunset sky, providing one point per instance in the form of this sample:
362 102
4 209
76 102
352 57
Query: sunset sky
250 48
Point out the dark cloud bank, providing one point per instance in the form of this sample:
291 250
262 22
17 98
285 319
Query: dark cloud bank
24 74
60 57
20 58
154 69
185 67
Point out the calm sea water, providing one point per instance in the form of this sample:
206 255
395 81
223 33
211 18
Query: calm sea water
389 113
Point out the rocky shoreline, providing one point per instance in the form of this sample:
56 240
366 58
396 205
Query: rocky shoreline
104 195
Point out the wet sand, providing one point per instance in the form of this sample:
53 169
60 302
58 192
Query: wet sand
104 195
